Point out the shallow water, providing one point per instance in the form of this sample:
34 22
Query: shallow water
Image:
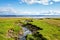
25 32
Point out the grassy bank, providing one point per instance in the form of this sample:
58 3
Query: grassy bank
7 24
50 27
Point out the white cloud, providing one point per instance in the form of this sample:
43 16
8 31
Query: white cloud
55 12
51 2
7 10
44 2
12 11
56 0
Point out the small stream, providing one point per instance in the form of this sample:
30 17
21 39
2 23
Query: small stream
25 32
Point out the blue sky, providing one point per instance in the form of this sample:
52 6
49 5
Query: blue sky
29 7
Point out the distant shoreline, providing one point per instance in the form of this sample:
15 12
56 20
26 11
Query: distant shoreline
29 16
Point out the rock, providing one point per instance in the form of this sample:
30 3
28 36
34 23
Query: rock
20 32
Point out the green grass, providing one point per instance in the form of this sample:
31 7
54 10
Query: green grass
5 25
49 31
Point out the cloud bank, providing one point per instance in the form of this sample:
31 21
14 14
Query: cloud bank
12 11
43 2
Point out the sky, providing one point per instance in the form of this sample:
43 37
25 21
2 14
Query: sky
29 7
